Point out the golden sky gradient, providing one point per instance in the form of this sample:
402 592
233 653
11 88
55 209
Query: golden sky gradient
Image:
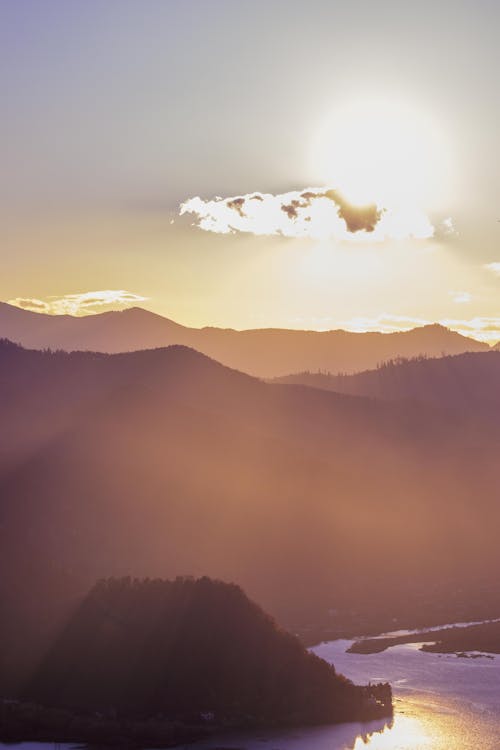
139 134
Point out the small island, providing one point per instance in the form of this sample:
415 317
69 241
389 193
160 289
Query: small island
466 641
158 662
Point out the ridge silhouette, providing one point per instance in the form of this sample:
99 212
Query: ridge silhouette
264 353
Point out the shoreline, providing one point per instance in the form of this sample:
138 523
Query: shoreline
312 637
465 641
27 722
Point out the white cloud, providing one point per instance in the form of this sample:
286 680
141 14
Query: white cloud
493 267
485 329
78 304
461 297
383 323
481 328
447 227
316 213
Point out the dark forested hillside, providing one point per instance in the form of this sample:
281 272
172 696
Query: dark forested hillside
466 383
188 647
165 463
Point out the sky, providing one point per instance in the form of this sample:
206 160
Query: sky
303 165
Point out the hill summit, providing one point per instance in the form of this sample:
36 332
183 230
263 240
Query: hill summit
188 647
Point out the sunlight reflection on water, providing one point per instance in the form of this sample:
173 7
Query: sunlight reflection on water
405 733
420 723
441 702
415 728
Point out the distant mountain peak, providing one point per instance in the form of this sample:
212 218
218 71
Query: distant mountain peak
433 326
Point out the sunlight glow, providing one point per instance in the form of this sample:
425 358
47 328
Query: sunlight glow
386 151
406 733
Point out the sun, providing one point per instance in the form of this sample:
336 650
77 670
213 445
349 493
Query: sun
386 151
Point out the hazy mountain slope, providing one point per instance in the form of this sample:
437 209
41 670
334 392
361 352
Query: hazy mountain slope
108 332
164 462
465 383
260 352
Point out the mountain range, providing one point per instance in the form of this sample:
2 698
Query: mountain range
263 353
165 462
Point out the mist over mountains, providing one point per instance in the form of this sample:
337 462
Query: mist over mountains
164 462
261 352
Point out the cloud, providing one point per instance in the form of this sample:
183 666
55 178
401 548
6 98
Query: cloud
447 228
493 267
486 329
78 304
315 213
383 323
357 218
237 204
461 297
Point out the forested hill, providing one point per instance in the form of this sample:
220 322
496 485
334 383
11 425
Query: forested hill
187 647
466 383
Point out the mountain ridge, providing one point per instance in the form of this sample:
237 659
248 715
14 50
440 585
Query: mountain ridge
262 352
465 383
209 649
